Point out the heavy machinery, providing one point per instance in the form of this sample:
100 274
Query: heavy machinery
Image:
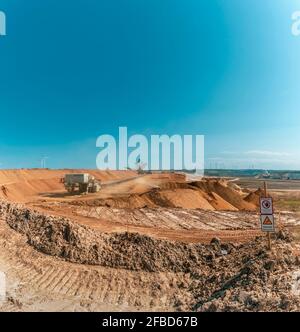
82 183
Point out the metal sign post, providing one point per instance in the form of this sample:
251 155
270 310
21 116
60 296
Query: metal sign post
267 215
268 233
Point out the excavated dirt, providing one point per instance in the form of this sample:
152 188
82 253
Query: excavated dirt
175 276
65 239
252 278
38 282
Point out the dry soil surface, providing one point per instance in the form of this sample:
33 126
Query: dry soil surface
144 242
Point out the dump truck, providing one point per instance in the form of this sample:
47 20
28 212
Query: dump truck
82 183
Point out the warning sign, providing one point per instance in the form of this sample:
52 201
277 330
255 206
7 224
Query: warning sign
266 205
267 223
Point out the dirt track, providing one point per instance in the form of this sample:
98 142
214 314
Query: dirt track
37 282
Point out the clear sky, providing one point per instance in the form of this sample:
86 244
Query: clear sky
73 70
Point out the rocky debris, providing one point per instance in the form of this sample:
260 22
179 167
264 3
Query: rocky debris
255 280
215 241
284 235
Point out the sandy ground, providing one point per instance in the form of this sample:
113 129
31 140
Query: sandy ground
37 282
162 206
249 279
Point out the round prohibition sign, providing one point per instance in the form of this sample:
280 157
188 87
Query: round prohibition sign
266 204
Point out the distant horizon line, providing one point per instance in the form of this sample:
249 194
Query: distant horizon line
171 170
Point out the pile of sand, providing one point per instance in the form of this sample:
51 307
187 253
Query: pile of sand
206 194
22 185
221 188
254 197
123 189
236 187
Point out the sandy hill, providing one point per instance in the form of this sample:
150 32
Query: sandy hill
127 189
22 185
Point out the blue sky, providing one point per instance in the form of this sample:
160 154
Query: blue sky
73 70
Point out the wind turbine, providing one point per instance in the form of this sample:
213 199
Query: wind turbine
43 162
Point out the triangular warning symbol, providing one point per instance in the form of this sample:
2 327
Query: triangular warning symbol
267 221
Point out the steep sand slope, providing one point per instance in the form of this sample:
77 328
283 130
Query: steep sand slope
228 194
254 197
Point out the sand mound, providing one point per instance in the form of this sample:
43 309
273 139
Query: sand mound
226 193
236 187
219 203
22 185
185 198
124 189
254 197
179 198
205 194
